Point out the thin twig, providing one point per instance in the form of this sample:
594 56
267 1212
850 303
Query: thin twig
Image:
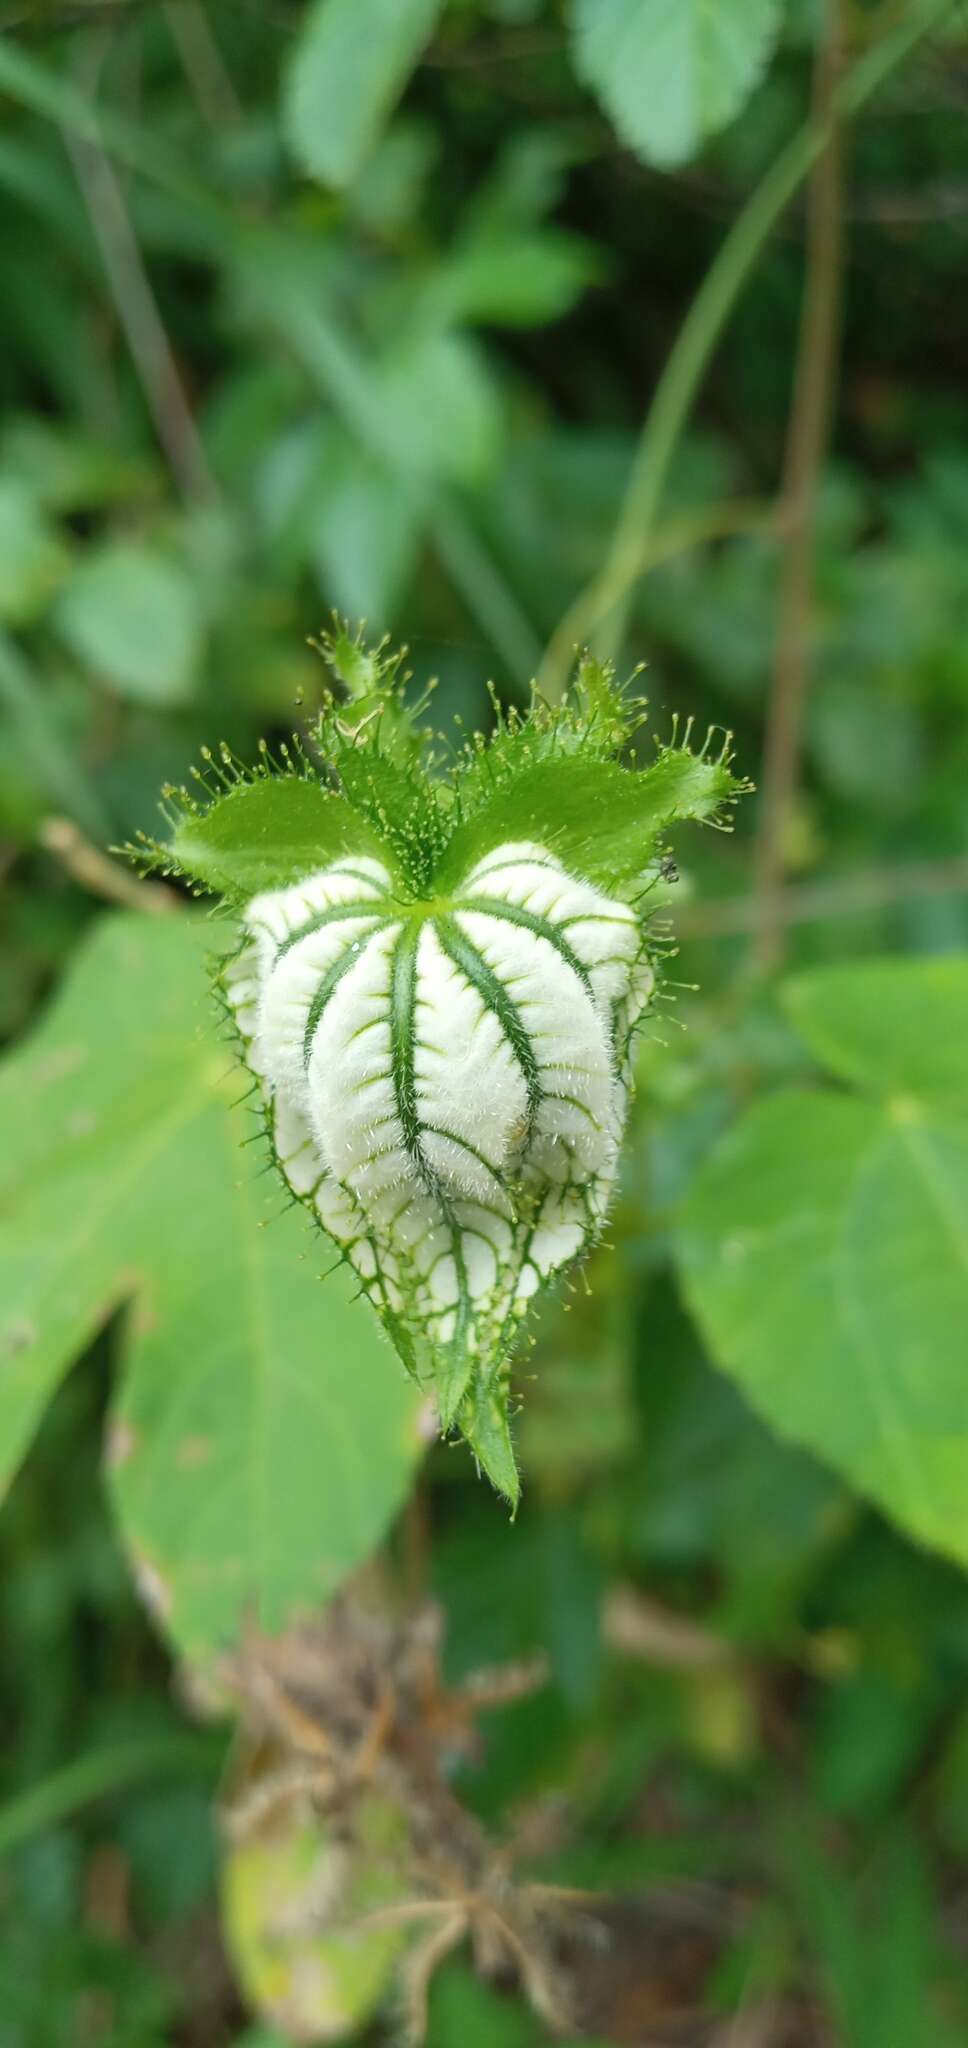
103 877
806 443
812 902
137 309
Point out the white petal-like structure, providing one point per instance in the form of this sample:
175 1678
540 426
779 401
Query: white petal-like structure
446 1084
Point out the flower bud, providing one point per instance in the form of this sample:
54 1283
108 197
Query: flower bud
447 1084
442 962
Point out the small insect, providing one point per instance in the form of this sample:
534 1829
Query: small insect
517 1133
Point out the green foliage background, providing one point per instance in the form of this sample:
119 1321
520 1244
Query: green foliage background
362 307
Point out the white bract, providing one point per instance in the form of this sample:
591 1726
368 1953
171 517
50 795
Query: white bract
446 1084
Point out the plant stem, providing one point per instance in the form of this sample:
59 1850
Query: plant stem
688 361
813 382
141 322
690 530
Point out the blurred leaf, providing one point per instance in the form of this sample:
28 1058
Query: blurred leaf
168 1836
465 2010
262 1436
867 746
33 730
889 1026
389 191
365 538
446 408
72 471
824 1247
33 559
366 399
670 72
707 1477
131 615
571 1596
350 64
868 1736
525 182
952 1788
874 1941
518 280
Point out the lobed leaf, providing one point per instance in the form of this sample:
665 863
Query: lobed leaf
262 1435
672 72
824 1247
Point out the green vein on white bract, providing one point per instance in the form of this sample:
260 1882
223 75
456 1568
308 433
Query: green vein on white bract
446 1087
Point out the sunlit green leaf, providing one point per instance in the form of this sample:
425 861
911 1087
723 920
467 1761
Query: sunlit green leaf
33 559
266 833
671 72
131 615
68 470
603 820
263 1434
351 62
825 1245
445 404
518 279
364 539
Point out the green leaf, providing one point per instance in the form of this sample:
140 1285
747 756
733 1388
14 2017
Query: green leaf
364 538
131 615
446 408
825 1243
264 834
603 821
671 72
518 279
888 1027
35 748
68 470
33 559
351 63
263 1434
